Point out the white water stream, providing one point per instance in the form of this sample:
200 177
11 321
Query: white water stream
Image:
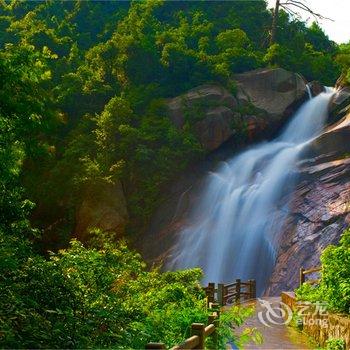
234 225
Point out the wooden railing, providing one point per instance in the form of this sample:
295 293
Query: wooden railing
199 333
221 295
232 293
303 273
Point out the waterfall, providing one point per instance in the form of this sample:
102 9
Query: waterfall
234 226
308 90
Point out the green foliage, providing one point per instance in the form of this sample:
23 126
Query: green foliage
335 344
335 283
232 318
96 298
343 58
304 50
99 297
24 118
140 152
23 74
277 55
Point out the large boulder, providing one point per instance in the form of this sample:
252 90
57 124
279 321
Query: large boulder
102 207
199 100
215 128
275 91
266 98
340 104
210 108
334 142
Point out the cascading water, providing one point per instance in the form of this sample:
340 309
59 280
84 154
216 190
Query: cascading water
308 90
234 226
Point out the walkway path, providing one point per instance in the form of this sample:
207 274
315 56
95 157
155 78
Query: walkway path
276 336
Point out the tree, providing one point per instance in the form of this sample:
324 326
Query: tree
343 59
291 7
334 287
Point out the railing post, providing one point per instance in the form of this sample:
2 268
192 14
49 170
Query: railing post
155 346
238 290
221 294
224 299
214 319
301 276
215 306
216 324
211 292
252 289
199 330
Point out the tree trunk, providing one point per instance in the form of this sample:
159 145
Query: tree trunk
274 23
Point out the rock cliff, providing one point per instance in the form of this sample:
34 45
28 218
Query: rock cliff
265 99
320 206
102 207
320 209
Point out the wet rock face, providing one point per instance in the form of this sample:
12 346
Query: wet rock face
339 104
320 212
320 209
157 244
316 88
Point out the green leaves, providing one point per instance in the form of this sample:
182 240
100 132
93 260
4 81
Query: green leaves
335 283
96 298
335 344
343 59
232 38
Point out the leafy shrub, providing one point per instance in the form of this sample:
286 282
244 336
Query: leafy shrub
82 298
335 344
232 318
343 58
335 283
98 298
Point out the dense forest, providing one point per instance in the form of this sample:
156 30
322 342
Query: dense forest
82 109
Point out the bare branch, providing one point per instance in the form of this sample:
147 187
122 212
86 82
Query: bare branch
303 7
291 7
290 11
296 14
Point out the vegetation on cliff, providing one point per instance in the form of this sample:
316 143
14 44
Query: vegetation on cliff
334 287
343 59
111 64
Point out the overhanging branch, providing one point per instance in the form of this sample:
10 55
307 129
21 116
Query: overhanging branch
285 5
